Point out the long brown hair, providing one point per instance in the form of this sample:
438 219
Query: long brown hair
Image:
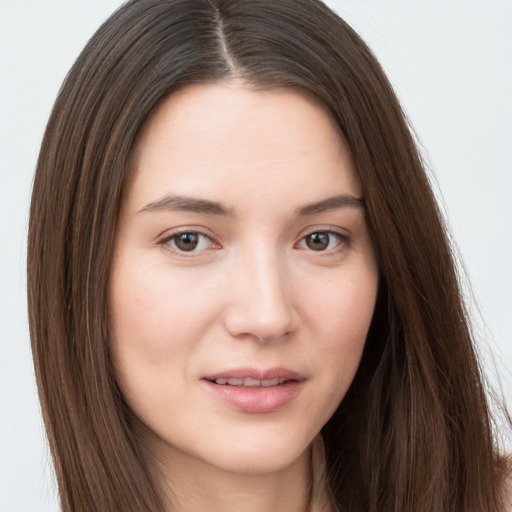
414 431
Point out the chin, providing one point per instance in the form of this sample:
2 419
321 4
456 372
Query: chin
262 454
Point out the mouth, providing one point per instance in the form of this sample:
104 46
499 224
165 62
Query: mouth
255 391
249 383
253 377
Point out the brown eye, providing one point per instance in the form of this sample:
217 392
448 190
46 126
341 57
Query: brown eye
186 241
317 241
189 241
323 241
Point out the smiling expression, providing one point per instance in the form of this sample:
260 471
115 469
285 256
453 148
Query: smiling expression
243 280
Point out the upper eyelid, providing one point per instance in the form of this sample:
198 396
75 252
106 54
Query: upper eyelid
165 244
167 234
173 240
337 230
345 241
178 233
345 237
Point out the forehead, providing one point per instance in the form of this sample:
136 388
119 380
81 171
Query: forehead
227 139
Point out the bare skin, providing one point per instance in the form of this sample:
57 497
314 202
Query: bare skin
242 254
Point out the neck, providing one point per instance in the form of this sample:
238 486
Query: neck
196 486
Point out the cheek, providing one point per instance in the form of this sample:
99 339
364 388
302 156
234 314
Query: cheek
343 307
157 322
342 316
156 309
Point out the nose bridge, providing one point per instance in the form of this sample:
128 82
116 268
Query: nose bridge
260 302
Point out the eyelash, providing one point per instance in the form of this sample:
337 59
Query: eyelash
169 242
342 243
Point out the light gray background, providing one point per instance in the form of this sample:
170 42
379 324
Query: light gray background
451 64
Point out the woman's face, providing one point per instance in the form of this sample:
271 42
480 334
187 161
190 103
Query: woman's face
243 280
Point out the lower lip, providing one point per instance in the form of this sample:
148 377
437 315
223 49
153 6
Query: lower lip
258 399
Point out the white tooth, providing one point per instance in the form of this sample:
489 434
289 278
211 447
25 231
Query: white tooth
252 382
221 381
235 382
271 382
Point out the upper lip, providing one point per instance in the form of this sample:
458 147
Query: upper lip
256 373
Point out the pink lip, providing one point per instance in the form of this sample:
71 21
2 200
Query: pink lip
261 399
255 373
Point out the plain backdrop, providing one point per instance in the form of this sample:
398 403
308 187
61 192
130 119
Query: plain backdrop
451 64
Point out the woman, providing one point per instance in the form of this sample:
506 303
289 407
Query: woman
233 246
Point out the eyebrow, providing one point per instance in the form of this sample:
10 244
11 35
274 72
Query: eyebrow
330 204
207 207
188 204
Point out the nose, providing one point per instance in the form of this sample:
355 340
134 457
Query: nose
261 304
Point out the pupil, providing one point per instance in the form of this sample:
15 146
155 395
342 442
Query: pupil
187 241
317 241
